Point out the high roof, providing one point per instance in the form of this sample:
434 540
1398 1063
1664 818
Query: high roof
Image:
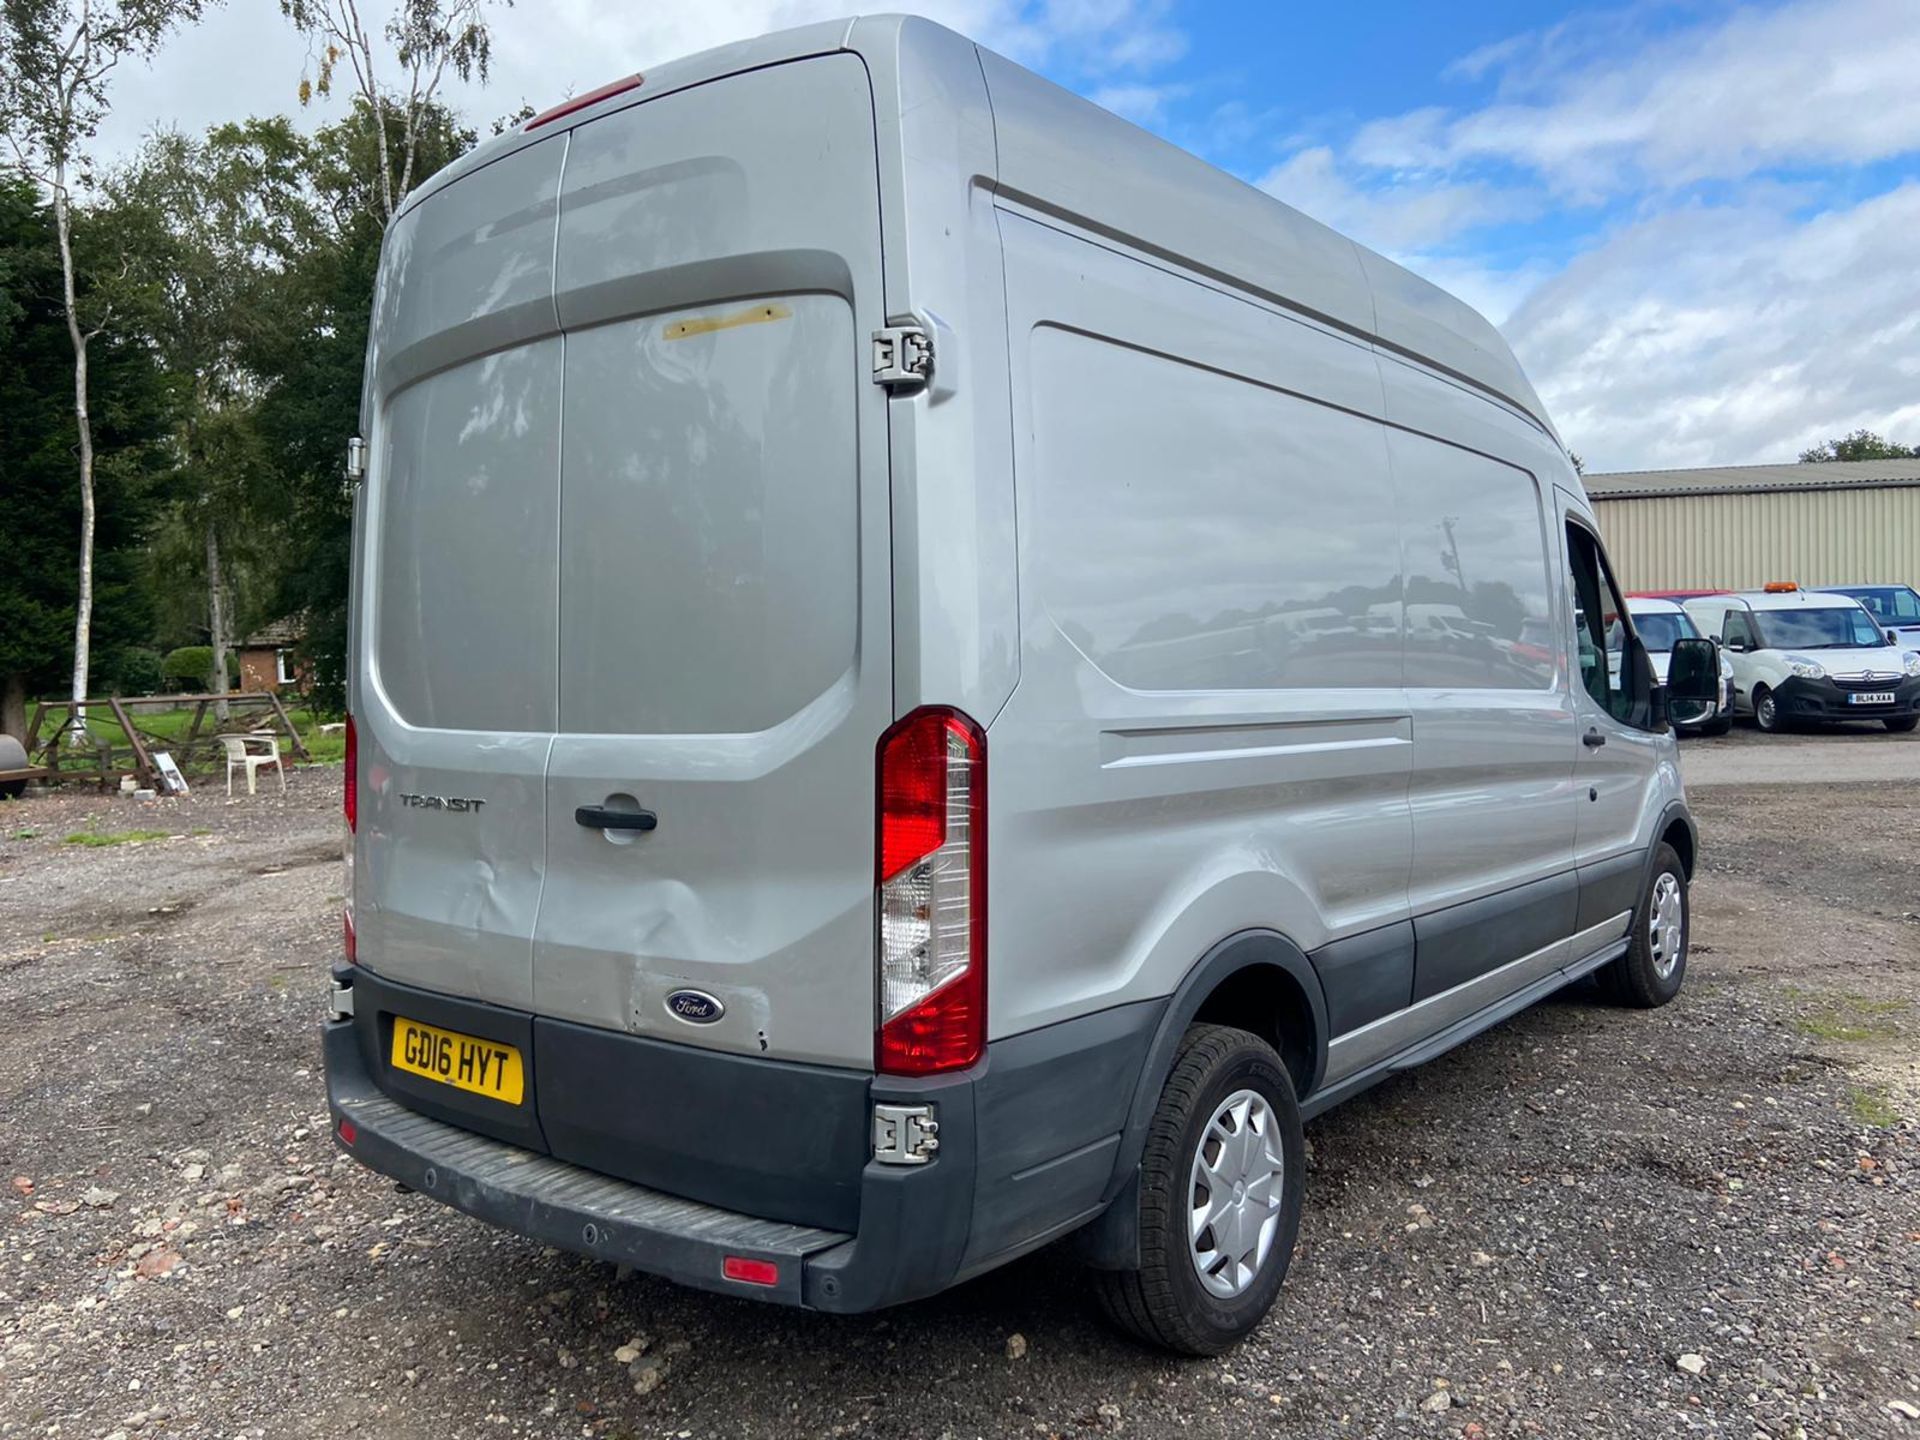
1060 152
1747 479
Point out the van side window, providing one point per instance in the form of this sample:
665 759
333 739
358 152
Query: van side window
1600 633
1478 599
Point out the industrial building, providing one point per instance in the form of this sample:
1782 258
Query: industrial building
1841 522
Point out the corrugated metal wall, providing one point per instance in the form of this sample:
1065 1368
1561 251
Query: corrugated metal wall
1740 542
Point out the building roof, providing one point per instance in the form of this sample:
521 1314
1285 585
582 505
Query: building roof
288 630
1750 479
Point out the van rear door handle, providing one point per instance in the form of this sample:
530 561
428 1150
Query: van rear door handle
598 817
1593 740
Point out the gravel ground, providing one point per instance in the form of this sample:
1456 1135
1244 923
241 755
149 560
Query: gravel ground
1701 1221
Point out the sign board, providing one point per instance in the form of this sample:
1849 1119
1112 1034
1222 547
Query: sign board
170 776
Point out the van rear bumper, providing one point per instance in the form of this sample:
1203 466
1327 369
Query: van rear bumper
551 1201
1028 1141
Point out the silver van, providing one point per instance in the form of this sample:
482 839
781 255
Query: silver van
932 675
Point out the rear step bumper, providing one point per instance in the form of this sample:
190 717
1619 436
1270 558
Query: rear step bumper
556 1203
1028 1140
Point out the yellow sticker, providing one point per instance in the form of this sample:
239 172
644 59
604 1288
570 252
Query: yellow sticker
764 313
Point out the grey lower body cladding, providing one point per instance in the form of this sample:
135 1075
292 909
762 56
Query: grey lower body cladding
1028 1140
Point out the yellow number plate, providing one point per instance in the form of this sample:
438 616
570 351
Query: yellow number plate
486 1067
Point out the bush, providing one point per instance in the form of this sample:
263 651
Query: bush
139 672
187 669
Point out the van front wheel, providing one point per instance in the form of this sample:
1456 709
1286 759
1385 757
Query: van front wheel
1650 973
1221 1181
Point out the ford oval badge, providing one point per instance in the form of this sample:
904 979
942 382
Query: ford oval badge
696 1007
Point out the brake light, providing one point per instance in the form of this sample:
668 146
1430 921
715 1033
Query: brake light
350 801
930 874
581 102
350 806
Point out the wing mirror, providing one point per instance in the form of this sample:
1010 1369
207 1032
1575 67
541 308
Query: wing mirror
1693 673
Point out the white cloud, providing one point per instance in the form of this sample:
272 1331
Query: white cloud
245 59
1397 217
1805 83
1142 104
1725 335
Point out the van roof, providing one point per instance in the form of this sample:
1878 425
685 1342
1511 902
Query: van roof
1779 600
1653 605
1141 189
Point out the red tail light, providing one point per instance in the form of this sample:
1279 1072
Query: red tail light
351 802
750 1272
581 102
350 805
931 875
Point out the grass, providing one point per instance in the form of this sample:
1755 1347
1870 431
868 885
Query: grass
99 838
1832 1025
1870 1107
1849 1018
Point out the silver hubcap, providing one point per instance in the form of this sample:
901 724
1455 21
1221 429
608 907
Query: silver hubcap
1234 1196
1763 712
1666 925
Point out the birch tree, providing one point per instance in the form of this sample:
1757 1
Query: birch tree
429 40
57 59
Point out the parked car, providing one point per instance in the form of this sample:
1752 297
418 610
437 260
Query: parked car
1801 655
1896 607
791 851
1661 622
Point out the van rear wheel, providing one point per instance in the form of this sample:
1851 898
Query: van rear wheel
1655 965
1221 1181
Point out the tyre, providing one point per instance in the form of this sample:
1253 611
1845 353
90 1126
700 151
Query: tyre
1651 972
1766 713
1225 1154
1902 724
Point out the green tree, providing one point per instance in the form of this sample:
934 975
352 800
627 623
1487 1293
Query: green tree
1860 445
428 39
57 58
40 498
208 225
310 363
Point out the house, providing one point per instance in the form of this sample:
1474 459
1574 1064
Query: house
267 660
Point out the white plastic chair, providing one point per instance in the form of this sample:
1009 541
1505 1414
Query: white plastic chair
240 756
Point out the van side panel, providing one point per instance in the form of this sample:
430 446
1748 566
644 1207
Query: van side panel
1209 734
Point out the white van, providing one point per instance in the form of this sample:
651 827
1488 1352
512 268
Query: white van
838 800
1659 623
1805 655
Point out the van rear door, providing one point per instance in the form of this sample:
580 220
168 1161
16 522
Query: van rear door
723 634
455 684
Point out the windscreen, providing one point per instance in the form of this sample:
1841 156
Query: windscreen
1834 628
1658 629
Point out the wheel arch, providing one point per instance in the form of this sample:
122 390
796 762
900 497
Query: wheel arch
1256 976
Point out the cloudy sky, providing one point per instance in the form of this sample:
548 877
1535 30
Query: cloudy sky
1698 221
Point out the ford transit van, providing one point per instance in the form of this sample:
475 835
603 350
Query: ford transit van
932 675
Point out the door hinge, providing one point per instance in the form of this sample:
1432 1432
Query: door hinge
904 1134
902 356
356 460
